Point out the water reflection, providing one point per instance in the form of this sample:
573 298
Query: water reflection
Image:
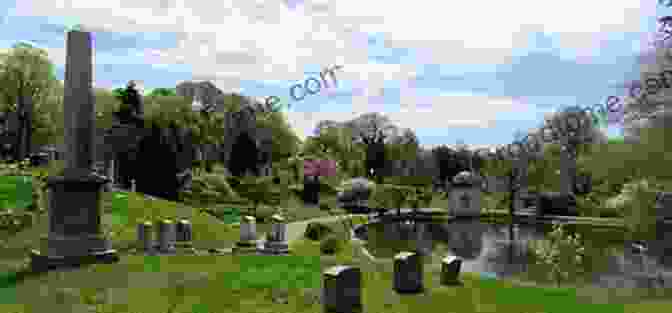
504 250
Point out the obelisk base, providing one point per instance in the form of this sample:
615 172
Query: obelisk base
42 263
75 236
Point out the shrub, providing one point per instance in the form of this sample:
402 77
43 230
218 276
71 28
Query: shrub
316 231
219 184
636 201
331 245
561 251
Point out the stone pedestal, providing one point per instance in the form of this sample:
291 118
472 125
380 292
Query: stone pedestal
75 236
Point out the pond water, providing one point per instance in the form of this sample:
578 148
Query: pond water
502 251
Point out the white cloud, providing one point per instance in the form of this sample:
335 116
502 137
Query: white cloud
244 37
235 40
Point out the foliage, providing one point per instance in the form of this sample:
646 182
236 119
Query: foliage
26 73
260 190
390 196
409 181
636 201
562 252
319 167
163 92
317 231
331 245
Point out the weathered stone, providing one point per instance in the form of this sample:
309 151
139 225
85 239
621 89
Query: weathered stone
276 243
342 290
450 270
145 239
74 219
166 236
184 231
248 232
408 271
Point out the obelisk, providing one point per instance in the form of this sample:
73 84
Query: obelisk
75 237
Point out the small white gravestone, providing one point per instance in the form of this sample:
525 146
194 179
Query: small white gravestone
133 185
276 242
145 240
342 290
248 232
408 271
166 236
450 270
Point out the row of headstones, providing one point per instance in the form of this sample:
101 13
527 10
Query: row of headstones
276 240
343 284
168 234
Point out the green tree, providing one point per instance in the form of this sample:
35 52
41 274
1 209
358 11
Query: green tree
163 92
26 77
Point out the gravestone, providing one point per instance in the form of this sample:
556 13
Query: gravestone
408 271
184 232
450 270
248 233
465 195
75 236
342 290
165 235
663 205
145 239
556 203
276 243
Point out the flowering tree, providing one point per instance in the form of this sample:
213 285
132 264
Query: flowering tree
319 168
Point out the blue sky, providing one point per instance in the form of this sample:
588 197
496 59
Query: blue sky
450 71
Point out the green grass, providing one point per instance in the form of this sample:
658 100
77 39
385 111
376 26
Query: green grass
237 284
15 192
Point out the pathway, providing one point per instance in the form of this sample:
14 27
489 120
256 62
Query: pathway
296 229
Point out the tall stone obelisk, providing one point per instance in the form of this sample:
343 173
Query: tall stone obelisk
75 237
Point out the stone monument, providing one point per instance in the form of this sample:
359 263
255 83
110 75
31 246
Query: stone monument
465 195
276 243
75 237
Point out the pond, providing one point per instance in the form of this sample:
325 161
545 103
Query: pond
502 251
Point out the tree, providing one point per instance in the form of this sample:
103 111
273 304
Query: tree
450 162
571 129
163 92
373 130
26 75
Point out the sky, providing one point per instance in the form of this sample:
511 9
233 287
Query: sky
469 71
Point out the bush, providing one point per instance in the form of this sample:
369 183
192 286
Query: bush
219 184
414 181
636 201
331 245
316 231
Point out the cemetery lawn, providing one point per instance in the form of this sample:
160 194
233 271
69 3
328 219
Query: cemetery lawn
218 283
